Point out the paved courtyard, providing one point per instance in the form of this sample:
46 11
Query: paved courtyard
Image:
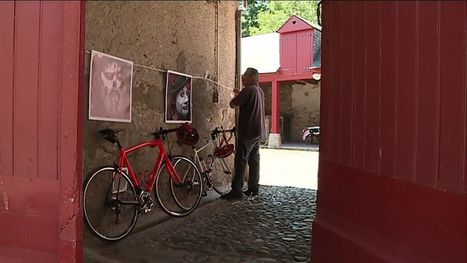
272 227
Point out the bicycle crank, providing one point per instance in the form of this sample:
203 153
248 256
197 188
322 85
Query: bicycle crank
146 202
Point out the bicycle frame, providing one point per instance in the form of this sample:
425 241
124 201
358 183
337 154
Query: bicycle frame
196 157
162 157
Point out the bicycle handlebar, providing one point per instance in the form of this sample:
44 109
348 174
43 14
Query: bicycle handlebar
162 132
111 134
217 131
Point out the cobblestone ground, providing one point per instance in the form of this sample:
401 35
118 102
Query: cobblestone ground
272 227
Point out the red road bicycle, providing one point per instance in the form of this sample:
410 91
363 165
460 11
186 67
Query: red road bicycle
114 197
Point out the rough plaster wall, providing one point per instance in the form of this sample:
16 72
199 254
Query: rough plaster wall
175 35
305 105
299 107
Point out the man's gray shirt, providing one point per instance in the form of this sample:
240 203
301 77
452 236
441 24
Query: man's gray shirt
251 117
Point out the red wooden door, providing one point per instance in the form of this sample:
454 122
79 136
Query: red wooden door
40 145
305 51
288 53
392 175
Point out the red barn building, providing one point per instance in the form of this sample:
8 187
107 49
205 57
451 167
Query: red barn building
291 55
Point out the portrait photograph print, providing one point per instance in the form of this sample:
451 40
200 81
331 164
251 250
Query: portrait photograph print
110 88
178 104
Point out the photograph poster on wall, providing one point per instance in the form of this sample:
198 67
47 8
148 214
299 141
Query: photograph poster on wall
178 100
110 81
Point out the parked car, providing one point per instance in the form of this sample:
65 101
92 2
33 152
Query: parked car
310 135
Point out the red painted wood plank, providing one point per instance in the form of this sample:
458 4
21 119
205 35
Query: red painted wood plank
70 126
356 243
326 105
358 120
10 254
465 105
7 13
329 87
267 78
40 236
407 90
427 148
336 85
305 51
49 86
346 103
452 96
331 237
32 196
288 53
389 51
372 84
426 219
25 90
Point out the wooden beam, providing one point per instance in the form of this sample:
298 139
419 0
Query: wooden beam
270 77
275 107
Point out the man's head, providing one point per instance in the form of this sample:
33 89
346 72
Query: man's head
250 77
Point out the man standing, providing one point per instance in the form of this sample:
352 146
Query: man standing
250 133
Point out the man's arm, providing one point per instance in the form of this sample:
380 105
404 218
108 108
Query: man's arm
232 102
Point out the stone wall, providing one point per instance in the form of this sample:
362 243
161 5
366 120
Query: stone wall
176 35
305 105
299 107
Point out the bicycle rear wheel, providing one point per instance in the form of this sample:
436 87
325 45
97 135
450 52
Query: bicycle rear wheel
110 204
221 175
179 199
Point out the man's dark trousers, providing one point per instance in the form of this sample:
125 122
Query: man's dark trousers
247 151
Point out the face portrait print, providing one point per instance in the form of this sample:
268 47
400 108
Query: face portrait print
182 103
178 97
110 88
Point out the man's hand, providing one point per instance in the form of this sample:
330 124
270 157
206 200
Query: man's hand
236 92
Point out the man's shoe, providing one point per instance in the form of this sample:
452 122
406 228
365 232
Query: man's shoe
232 195
251 192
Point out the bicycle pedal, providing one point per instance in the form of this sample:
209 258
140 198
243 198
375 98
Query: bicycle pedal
145 210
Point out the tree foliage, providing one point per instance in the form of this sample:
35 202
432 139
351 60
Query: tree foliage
267 16
250 18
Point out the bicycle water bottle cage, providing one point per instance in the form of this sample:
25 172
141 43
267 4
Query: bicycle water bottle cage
188 135
109 135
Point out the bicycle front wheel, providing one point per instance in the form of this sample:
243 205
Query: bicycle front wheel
110 204
220 176
179 199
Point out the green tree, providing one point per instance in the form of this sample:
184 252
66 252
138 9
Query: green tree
277 12
250 18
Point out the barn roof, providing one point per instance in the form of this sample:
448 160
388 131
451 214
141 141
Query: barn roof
297 23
